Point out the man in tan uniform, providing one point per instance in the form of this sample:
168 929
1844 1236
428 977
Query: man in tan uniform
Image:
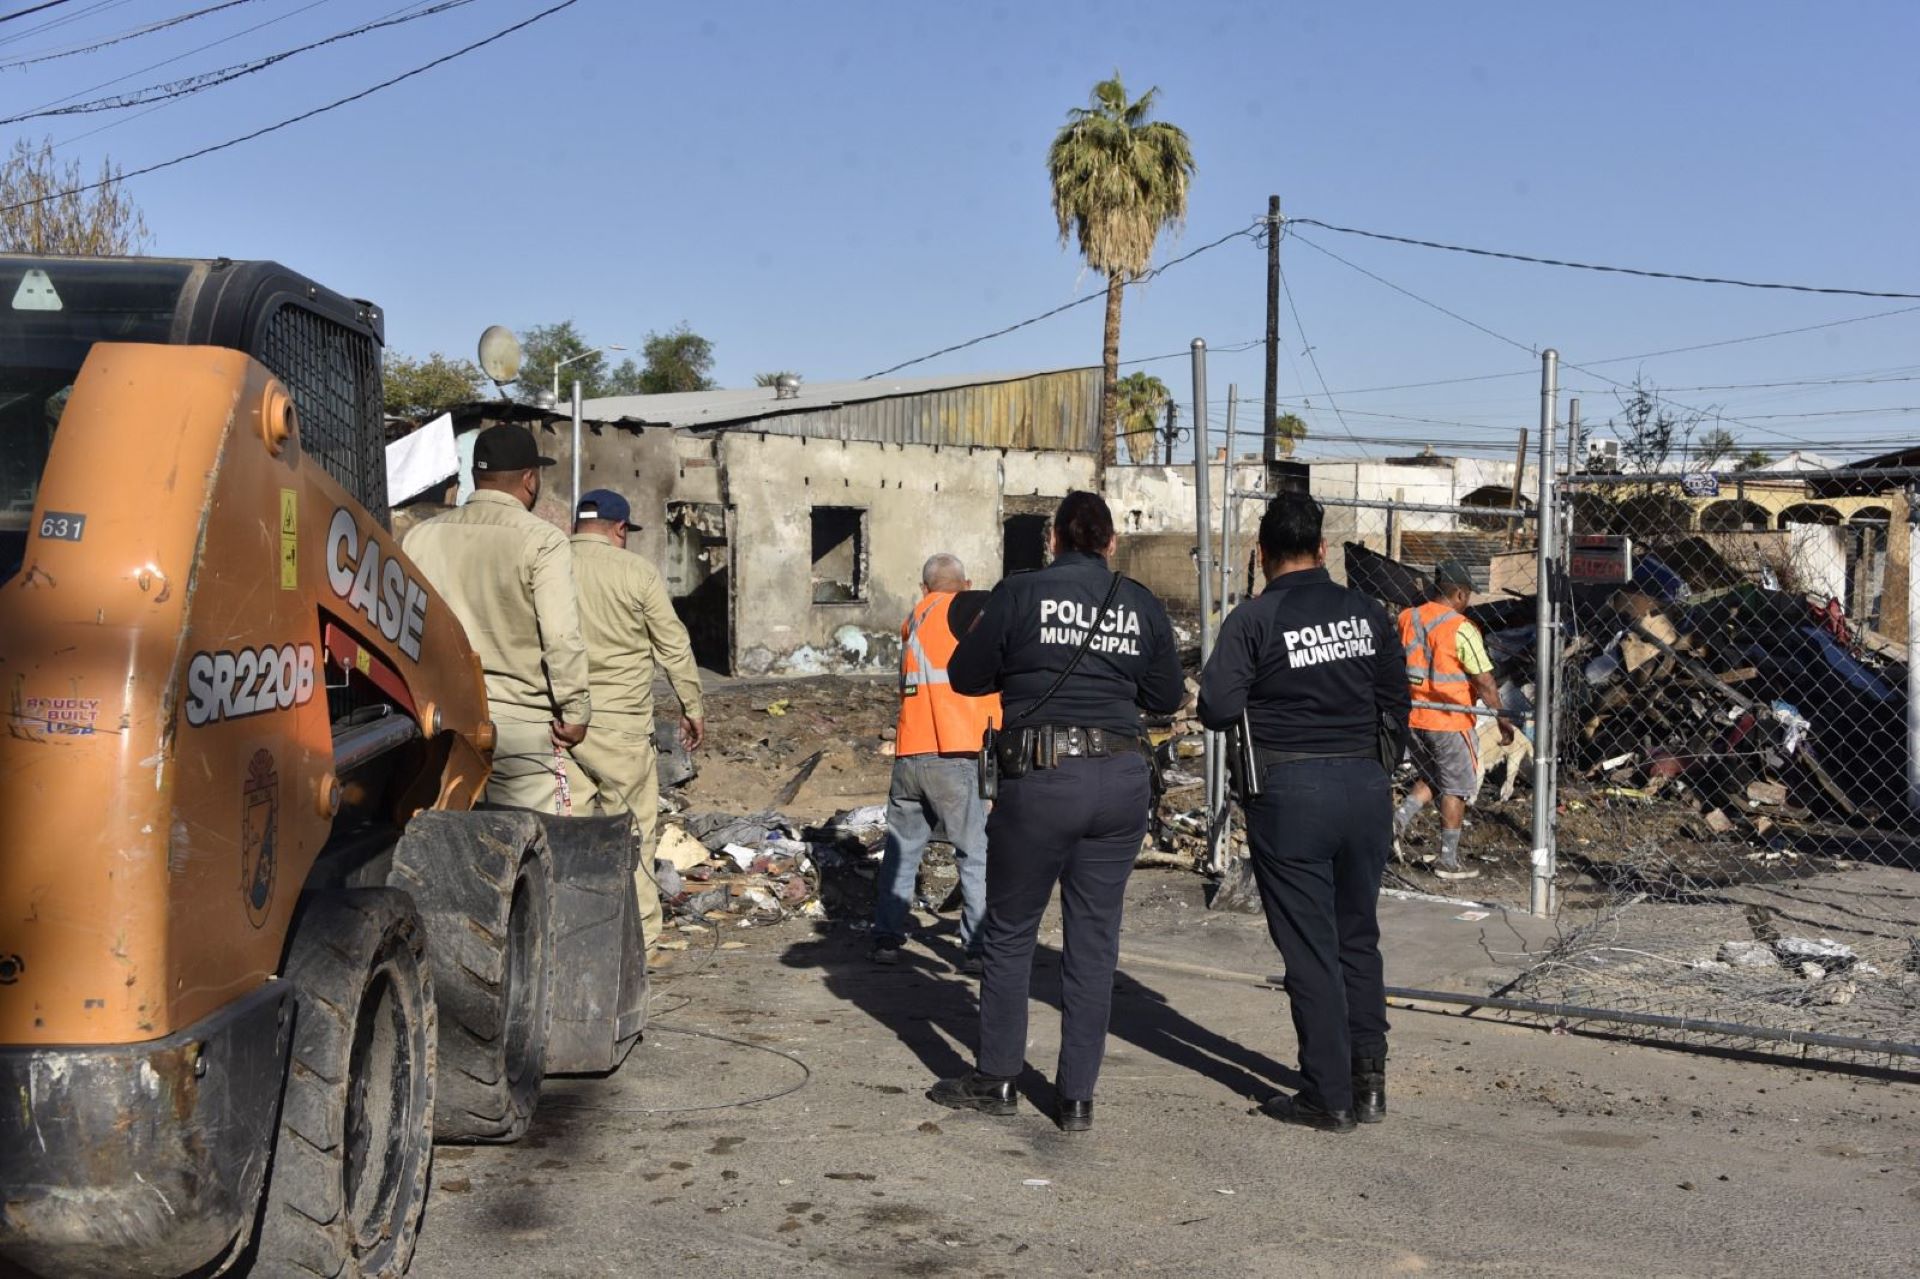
631 630
508 577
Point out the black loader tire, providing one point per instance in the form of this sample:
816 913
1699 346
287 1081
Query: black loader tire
355 1142
484 885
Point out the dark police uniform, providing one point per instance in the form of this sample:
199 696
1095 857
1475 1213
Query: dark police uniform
1316 666
1080 823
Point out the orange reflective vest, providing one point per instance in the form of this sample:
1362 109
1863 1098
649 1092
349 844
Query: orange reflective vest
1429 634
935 720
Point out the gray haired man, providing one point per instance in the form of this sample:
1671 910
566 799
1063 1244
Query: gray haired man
935 792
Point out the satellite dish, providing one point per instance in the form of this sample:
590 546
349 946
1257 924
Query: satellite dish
500 354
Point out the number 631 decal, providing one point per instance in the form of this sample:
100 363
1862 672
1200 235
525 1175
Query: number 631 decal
62 526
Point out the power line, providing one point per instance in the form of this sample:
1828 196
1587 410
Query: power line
1590 266
32 9
123 37
337 103
178 57
1047 315
1235 349
1306 348
1455 315
62 21
1588 369
199 83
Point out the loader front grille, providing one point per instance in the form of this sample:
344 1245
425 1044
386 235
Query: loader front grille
333 374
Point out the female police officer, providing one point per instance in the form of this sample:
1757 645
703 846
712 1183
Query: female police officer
1317 669
1076 652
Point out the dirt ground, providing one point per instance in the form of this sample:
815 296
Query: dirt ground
773 1120
773 1123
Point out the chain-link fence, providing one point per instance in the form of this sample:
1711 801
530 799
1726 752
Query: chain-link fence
1735 849
1736 844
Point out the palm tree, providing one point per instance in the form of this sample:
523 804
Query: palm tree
1288 430
1118 181
1142 400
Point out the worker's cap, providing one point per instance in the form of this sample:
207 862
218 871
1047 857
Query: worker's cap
506 448
1452 573
604 504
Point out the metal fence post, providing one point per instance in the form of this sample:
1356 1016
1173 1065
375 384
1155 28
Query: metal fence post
1227 521
1913 649
1203 526
1545 647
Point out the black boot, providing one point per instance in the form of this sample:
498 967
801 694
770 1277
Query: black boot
1308 1113
975 1091
1370 1089
1074 1116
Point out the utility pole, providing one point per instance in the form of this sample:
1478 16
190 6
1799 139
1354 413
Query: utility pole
1270 447
1173 419
1519 476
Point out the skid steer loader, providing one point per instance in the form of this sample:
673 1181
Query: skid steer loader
258 948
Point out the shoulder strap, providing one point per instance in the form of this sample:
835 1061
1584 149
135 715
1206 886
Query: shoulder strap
1086 642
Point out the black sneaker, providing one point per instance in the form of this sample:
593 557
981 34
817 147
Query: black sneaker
1454 870
974 965
1308 1113
885 951
975 1091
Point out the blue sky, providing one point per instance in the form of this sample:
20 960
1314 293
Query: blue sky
836 188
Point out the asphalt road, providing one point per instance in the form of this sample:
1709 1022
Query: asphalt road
1507 1150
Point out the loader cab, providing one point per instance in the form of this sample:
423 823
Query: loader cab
324 347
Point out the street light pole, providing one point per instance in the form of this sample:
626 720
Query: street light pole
557 366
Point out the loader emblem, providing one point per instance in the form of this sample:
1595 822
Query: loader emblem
259 835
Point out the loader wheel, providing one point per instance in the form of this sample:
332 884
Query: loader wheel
350 1161
483 882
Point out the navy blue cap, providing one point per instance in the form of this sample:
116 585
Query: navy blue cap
604 504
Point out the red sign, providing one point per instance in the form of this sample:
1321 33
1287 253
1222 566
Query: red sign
1601 558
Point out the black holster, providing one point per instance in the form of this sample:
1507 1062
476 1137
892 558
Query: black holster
1243 762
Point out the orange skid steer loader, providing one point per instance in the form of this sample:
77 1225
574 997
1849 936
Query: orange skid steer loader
258 948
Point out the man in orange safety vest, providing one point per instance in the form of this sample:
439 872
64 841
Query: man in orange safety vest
1447 664
935 793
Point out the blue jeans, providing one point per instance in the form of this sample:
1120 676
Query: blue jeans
933 797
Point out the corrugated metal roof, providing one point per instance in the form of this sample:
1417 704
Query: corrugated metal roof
1051 409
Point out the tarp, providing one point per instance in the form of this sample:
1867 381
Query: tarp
418 462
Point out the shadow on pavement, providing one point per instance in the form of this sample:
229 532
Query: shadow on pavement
930 1007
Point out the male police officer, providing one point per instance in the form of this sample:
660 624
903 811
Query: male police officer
630 627
935 791
507 576
1448 664
1314 666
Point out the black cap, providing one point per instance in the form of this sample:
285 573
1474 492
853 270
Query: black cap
506 448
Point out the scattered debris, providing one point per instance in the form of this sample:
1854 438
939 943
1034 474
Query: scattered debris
1747 954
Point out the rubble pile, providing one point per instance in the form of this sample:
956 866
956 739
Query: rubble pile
1714 718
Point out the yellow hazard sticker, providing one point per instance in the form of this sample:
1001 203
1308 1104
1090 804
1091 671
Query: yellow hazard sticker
289 539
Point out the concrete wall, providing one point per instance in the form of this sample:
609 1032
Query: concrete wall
917 499
640 465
